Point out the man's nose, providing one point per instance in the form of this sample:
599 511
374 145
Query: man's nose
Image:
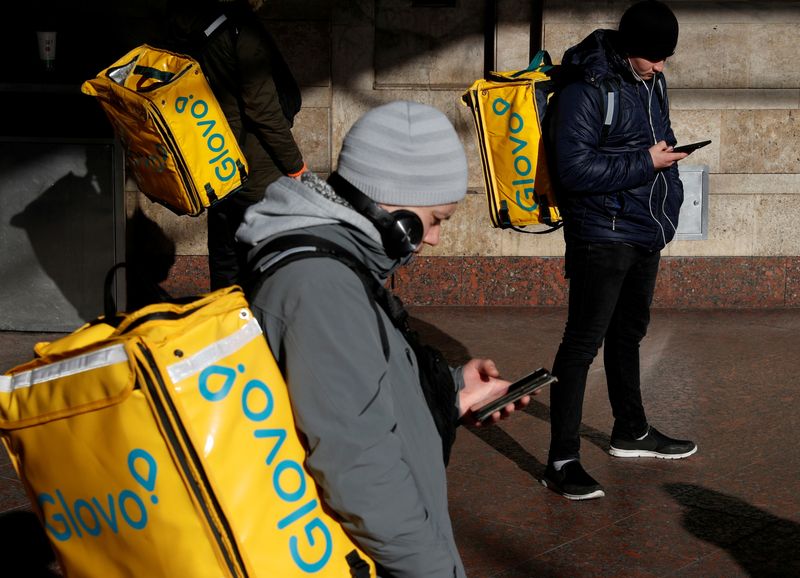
432 237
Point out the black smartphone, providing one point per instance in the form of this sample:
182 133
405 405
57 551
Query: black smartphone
690 148
520 388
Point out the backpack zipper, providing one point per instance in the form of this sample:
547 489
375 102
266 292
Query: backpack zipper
189 463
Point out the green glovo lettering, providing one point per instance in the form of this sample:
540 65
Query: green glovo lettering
218 153
524 183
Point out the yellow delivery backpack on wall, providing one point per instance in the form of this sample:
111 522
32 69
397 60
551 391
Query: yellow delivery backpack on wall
161 443
179 146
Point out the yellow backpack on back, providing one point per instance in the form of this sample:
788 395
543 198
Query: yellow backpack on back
163 444
508 109
179 146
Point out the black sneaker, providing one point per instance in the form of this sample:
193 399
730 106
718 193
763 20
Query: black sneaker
572 482
653 445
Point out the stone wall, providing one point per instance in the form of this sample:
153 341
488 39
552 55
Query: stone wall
732 80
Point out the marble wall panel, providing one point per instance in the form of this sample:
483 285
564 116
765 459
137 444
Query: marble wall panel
541 244
557 36
469 231
352 47
776 225
733 282
451 63
760 141
793 282
773 54
704 57
316 96
188 276
430 280
188 233
512 38
305 46
428 46
312 132
465 126
513 46
736 99
756 183
721 45
310 10
696 125
731 229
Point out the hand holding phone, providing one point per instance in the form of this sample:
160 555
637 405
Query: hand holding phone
690 148
526 386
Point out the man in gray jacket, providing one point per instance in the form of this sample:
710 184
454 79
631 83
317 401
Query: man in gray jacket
373 446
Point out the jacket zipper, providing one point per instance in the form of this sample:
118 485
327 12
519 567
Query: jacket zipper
190 465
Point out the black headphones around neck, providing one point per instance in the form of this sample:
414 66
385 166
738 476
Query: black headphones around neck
401 231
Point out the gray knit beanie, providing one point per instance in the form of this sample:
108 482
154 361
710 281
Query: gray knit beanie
405 153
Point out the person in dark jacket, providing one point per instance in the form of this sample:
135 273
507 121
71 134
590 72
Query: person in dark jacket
259 98
619 196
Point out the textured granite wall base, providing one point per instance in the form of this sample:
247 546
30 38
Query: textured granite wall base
684 282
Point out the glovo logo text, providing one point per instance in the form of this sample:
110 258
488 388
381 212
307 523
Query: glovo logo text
524 181
158 160
218 153
68 517
289 480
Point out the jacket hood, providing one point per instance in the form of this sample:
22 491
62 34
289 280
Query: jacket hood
596 58
311 206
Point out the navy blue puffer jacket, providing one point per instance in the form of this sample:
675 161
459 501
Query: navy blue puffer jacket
608 190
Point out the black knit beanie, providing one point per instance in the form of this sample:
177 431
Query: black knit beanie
649 29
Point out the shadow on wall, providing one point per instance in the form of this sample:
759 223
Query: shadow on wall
761 543
71 232
150 255
70 225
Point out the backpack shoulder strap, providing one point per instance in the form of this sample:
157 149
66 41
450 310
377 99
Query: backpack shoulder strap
610 90
662 91
291 248
436 381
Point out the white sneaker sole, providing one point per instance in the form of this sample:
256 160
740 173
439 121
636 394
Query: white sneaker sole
590 496
618 453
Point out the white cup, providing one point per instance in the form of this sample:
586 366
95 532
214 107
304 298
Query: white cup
47 48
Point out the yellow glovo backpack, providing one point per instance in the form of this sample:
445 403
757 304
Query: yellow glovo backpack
179 147
161 444
508 109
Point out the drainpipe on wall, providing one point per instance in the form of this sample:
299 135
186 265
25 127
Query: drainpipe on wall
490 38
537 23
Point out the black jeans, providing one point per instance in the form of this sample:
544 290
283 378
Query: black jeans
227 258
610 291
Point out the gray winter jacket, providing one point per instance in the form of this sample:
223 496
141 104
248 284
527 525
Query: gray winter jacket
373 447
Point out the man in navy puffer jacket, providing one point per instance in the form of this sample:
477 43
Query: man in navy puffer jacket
619 195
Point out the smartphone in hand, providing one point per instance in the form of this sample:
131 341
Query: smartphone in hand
690 148
517 390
